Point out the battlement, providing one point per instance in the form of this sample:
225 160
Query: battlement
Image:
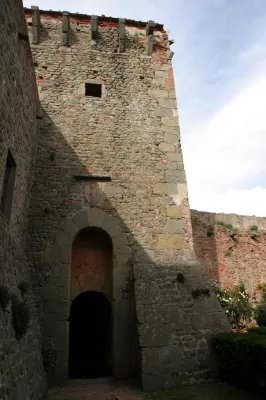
124 32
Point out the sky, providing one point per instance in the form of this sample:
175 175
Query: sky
220 77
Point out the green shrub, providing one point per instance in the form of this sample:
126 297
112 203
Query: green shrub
229 226
49 357
228 253
20 317
258 330
254 228
236 304
220 223
262 286
260 314
4 297
242 359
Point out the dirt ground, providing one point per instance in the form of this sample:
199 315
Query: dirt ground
104 389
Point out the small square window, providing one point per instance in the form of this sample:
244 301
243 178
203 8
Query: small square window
8 186
93 89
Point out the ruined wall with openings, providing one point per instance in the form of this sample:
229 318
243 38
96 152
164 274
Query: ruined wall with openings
129 140
21 369
233 251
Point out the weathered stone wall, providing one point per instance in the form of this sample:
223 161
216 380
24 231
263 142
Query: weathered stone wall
21 370
130 134
229 255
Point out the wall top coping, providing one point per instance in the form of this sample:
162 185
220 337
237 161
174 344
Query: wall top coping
85 18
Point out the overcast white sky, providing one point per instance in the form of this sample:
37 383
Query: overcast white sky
220 76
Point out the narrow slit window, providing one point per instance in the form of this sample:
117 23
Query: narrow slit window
93 89
8 186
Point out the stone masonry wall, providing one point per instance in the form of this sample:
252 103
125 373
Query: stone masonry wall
130 134
21 369
231 255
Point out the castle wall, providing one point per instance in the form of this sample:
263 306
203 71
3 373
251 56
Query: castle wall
228 258
21 371
131 136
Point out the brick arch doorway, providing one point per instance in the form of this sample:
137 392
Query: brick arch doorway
90 336
90 350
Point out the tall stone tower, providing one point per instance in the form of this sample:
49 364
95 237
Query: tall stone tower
110 231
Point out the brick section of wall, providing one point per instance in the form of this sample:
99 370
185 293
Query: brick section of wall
91 265
21 371
228 259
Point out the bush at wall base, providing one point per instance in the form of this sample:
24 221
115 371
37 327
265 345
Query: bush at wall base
242 359
260 314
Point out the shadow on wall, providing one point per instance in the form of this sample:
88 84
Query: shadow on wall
173 324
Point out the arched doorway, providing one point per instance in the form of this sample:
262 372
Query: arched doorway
90 336
90 328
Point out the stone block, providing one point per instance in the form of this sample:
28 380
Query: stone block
175 176
75 288
153 335
175 226
174 212
172 94
164 112
119 241
64 238
95 217
60 307
169 121
171 138
113 229
140 314
159 74
189 363
177 156
80 219
167 103
166 147
161 360
163 313
60 373
170 129
171 242
172 165
147 292
200 320
165 188
157 93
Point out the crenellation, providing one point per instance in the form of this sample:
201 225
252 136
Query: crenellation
66 28
36 24
121 30
94 27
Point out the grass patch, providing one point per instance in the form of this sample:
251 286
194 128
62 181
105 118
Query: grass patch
221 223
229 226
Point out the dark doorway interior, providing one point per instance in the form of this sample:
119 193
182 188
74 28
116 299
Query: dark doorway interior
90 336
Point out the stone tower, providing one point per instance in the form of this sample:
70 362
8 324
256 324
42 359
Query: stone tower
110 231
